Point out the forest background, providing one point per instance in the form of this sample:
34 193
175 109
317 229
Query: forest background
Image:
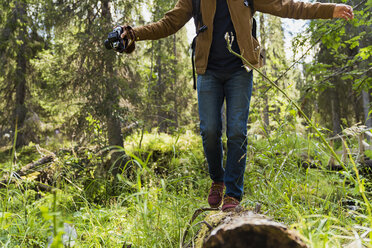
122 130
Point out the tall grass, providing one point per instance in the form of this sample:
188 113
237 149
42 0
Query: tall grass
166 180
325 206
355 179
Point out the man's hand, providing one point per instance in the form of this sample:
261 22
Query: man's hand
343 11
128 33
131 37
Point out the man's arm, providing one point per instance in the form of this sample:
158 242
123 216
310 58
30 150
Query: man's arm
302 10
168 25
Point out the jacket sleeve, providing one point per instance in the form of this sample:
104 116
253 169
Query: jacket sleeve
296 10
172 21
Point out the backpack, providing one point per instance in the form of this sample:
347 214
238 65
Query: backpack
198 20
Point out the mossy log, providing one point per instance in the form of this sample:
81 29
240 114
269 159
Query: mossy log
38 170
245 229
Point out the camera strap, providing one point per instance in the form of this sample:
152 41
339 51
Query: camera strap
193 45
130 44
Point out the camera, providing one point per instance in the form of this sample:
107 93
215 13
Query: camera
114 40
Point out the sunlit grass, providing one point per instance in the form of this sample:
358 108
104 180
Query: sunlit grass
153 206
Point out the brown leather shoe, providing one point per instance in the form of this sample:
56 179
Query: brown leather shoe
215 194
229 203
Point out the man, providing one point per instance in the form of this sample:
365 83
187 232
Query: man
222 75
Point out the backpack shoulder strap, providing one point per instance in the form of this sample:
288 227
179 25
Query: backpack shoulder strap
199 27
196 13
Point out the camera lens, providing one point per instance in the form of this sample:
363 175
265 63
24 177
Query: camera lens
108 44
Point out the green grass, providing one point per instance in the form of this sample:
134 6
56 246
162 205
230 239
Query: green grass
151 203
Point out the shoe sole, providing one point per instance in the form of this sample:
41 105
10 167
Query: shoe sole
215 206
229 209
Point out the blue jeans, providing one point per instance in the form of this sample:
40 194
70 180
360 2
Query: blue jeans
213 87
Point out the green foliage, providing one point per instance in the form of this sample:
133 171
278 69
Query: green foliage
154 206
169 156
76 87
341 71
305 198
95 129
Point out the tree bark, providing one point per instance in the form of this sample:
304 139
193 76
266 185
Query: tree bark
114 133
245 229
175 107
161 123
335 105
265 110
20 109
366 109
366 93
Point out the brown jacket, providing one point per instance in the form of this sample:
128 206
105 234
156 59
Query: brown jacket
241 18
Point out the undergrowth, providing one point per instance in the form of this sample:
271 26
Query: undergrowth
151 202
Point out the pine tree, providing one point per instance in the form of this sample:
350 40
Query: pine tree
20 43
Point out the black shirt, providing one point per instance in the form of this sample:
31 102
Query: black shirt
219 57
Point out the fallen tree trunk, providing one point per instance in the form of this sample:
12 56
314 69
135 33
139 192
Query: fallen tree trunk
29 168
36 166
245 229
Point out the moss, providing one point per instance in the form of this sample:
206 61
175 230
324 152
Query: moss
213 219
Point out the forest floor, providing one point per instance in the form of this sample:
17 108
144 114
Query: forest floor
151 203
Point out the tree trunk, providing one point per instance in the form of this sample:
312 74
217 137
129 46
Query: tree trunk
175 114
366 93
114 133
356 107
335 105
20 109
265 110
115 138
366 109
266 114
245 230
158 91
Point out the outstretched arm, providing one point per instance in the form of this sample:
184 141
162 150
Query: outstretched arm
302 10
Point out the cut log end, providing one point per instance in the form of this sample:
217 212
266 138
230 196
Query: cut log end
246 230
